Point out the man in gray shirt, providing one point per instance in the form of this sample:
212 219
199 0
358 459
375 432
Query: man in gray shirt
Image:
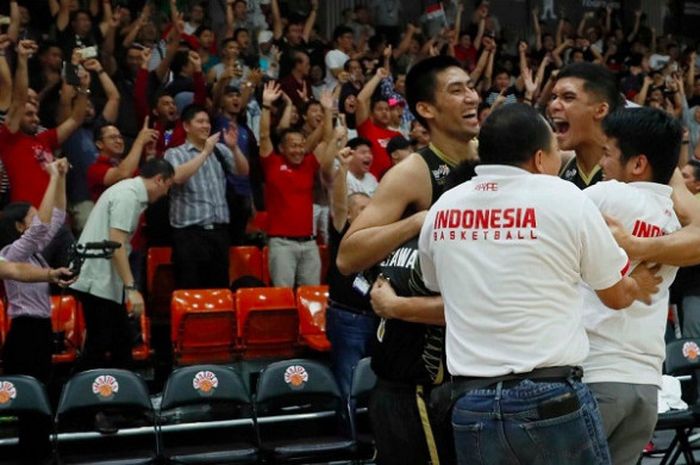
106 286
199 213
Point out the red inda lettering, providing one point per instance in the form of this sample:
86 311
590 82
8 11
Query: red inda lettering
644 229
486 219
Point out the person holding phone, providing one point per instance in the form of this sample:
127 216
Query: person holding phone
24 233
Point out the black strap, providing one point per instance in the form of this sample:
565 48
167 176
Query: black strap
220 157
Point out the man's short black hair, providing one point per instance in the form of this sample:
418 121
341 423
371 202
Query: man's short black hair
512 134
357 141
695 164
421 82
341 30
155 167
239 31
597 79
397 143
650 132
180 60
191 110
225 42
97 132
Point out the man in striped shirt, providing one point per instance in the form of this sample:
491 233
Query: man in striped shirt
199 213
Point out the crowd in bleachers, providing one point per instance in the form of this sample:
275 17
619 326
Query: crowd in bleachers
276 136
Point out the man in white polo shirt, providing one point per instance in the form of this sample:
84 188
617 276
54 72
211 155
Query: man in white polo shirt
507 250
623 368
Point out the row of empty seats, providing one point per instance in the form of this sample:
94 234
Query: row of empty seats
243 261
69 330
206 415
216 326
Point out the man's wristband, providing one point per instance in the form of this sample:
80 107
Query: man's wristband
131 287
267 107
100 71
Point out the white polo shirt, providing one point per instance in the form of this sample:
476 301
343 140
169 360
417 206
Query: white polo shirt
507 250
627 346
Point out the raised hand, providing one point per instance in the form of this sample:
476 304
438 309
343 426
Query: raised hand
344 156
327 99
271 92
146 57
26 48
231 136
211 141
522 47
5 41
530 84
147 135
92 64
382 72
196 61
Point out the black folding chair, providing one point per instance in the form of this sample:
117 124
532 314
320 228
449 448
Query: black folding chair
363 381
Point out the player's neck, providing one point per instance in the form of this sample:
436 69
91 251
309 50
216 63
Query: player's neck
453 150
588 154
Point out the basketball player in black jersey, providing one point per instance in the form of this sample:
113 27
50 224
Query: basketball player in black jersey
440 95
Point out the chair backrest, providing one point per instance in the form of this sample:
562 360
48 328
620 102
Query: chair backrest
23 394
294 378
267 317
156 257
203 325
203 384
266 266
312 302
244 260
363 378
66 318
682 356
103 387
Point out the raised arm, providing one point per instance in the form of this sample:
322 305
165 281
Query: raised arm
271 92
107 17
77 116
63 16
230 19
310 21
641 96
556 53
326 152
25 48
690 75
536 28
136 26
365 96
111 108
405 41
277 28
15 21
339 192
186 170
5 75
635 29
240 162
173 42
475 75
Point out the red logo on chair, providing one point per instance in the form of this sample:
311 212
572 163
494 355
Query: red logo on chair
105 386
691 351
7 392
205 382
296 376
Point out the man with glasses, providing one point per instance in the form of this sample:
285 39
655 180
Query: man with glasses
110 166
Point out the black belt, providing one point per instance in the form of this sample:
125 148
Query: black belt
206 227
347 308
296 238
469 383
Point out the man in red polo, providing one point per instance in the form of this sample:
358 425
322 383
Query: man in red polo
110 167
289 180
25 151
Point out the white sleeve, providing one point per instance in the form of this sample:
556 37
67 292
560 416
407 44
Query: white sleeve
603 262
425 254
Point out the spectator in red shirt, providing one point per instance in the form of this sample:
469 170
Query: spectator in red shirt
373 119
110 167
289 176
25 151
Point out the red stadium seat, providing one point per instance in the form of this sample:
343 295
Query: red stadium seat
311 303
268 322
244 260
203 326
160 280
67 318
142 352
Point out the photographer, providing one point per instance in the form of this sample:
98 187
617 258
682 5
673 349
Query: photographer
24 232
106 286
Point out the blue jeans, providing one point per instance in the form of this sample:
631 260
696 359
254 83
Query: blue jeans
503 427
350 335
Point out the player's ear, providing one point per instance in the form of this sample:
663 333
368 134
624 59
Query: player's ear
640 164
426 110
602 110
539 162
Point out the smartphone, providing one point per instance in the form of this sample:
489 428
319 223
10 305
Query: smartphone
88 52
70 74
558 406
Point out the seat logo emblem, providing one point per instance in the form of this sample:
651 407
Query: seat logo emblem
296 376
691 351
205 383
105 386
7 392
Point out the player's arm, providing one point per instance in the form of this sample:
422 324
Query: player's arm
681 248
386 304
380 228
